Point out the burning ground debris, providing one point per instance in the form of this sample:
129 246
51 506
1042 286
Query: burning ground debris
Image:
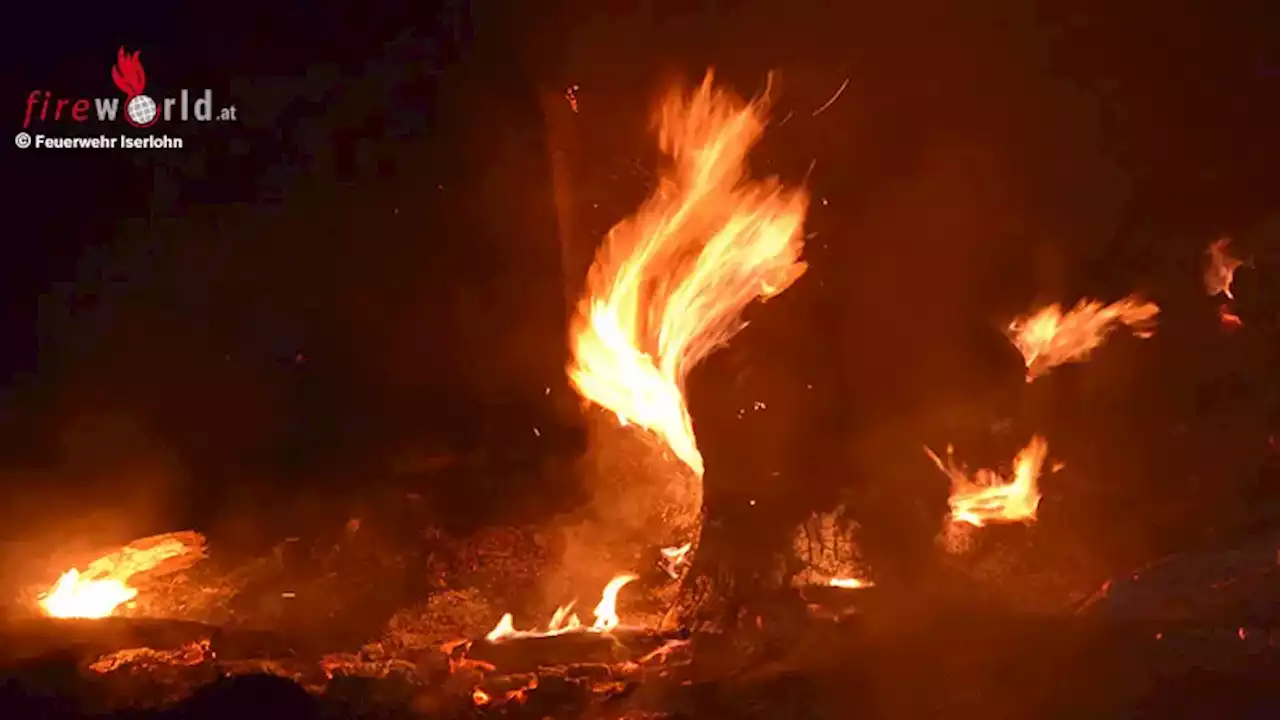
987 497
564 620
145 658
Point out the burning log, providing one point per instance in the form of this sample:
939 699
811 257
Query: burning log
109 582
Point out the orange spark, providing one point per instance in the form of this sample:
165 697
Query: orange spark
670 283
1220 269
833 99
1048 337
988 497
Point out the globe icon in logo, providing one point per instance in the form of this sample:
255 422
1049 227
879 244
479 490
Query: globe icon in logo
141 110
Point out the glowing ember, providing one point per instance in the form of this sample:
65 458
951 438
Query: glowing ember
565 621
1048 337
1227 319
989 498
192 653
849 583
1220 269
670 283
104 585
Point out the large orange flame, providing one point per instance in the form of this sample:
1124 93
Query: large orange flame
1049 337
989 498
670 283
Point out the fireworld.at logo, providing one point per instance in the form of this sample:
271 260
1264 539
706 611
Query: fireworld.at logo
140 109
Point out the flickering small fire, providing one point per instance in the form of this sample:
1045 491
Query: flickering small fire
670 283
987 497
564 620
673 559
849 583
1049 337
104 585
1220 269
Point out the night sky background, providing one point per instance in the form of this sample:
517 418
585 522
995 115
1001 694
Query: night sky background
369 270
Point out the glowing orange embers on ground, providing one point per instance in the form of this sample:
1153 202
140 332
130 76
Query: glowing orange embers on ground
988 497
1049 337
104 584
670 283
565 620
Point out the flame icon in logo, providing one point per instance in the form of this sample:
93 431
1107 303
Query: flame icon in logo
128 75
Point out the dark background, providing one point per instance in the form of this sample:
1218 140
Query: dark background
366 272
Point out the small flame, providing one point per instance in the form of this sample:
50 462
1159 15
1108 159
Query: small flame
1220 269
673 558
670 283
850 583
989 498
1048 337
564 620
606 611
676 554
